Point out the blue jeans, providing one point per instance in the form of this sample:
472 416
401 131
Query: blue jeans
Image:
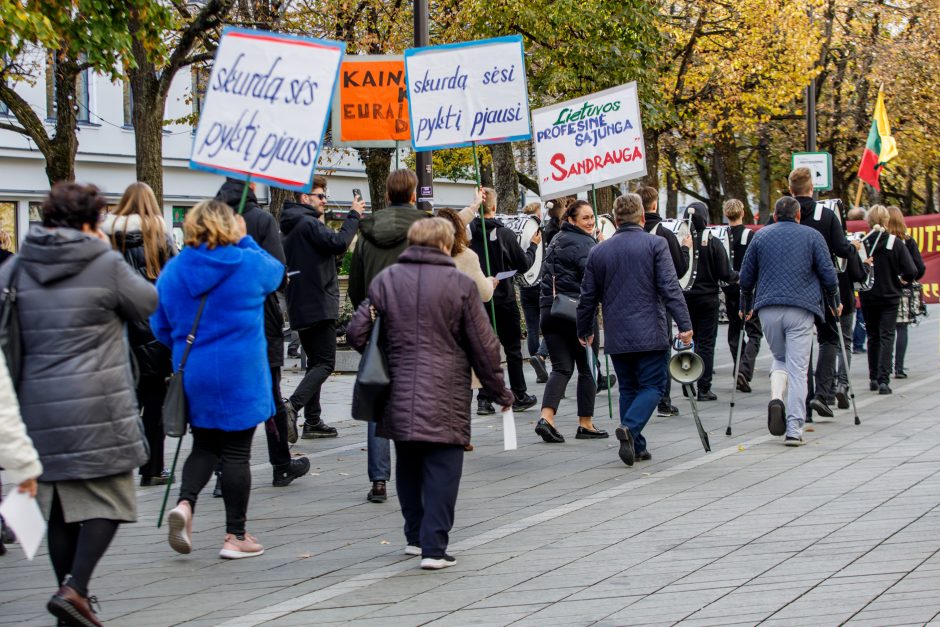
427 476
379 455
642 380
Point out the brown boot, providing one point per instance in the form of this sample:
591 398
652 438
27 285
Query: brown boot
72 608
377 494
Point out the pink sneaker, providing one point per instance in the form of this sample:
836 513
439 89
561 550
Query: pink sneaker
180 524
236 547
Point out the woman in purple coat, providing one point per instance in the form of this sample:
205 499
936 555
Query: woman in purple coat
434 329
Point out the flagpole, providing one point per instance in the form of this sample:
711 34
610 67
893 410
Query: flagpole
858 194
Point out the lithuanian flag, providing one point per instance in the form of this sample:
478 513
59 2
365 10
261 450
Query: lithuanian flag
880 147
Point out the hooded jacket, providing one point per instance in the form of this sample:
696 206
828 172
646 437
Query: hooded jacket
713 262
433 331
262 227
504 253
678 252
77 392
383 236
227 380
311 248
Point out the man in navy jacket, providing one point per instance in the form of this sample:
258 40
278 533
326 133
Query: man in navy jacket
786 272
633 276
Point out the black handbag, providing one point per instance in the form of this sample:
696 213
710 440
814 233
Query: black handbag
564 307
11 341
175 408
370 390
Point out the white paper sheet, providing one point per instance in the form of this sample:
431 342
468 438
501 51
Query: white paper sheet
21 513
504 275
509 431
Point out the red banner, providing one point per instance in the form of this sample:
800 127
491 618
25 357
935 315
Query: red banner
926 232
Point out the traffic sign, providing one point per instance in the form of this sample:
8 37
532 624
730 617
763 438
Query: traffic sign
820 164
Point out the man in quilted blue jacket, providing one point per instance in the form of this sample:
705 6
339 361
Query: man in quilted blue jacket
787 277
632 276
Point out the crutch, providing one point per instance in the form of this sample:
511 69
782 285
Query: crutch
845 361
737 371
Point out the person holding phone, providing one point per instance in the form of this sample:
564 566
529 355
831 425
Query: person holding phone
313 296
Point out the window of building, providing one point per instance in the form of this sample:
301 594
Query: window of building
35 212
81 95
8 224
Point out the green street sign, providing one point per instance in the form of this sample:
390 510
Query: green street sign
820 164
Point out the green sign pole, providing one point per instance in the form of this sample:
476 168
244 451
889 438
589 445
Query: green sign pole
486 246
610 400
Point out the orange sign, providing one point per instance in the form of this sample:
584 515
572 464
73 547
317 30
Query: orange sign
373 101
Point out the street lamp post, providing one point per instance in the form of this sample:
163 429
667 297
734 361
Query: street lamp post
423 159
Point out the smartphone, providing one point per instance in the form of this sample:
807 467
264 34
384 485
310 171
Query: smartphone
357 193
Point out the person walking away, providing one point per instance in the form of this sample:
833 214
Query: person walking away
137 230
79 293
893 266
427 413
680 252
223 277
313 295
529 298
827 225
18 459
897 228
740 237
465 259
263 229
714 267
563 271
632 276
786 277
504 254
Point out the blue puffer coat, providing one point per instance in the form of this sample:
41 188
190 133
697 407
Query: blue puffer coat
227 380
633 277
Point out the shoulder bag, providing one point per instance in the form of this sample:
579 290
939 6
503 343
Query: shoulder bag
175 407
11 342
564 307
370 390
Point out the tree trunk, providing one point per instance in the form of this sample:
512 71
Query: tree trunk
605 199
277 199
378 163
147 114
730 171
652 159
672 196
763 156
908 208
931 206
505 179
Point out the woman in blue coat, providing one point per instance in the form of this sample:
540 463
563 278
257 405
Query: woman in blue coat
227 381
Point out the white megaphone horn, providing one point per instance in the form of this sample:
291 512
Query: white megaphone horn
685 366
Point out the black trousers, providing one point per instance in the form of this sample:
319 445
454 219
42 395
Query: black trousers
881 322
428 477
233 448
561 337
151 390
824 377
703 309
275 428
509 332
76 548
319 342
900 347
529 299
752 331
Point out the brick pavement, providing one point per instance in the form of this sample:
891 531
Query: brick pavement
842 530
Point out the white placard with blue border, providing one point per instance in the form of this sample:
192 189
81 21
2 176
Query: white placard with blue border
473 92
266 107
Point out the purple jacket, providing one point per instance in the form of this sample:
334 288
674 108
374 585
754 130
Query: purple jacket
434 329
633 277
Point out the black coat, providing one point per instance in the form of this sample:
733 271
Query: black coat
504 254
916 257
311 248
679 253
828 226
564 263
550 229
263 229
893 264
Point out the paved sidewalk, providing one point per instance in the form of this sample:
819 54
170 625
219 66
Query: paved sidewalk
843 530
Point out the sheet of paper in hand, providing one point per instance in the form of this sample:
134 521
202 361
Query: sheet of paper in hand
266 107
509 431
473 92
22 515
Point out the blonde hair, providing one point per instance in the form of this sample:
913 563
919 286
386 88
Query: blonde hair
896 224
734 209
433 232
139 199
533 209
878 214
211 222
801 182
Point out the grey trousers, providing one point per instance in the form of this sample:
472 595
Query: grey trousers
789 333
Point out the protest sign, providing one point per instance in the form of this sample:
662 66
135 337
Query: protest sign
266 107
370 109
467 93
589 142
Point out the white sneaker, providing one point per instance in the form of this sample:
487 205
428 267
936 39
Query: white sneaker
180 525
412 549
437 563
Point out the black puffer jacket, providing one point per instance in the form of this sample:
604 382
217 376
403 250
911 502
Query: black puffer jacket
893 264
76 392
504 254
713 262
153 358
564 262
263 229
311 248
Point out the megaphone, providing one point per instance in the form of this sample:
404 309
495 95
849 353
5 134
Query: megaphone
685 366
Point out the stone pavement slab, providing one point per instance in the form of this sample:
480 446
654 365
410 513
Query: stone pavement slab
842 530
